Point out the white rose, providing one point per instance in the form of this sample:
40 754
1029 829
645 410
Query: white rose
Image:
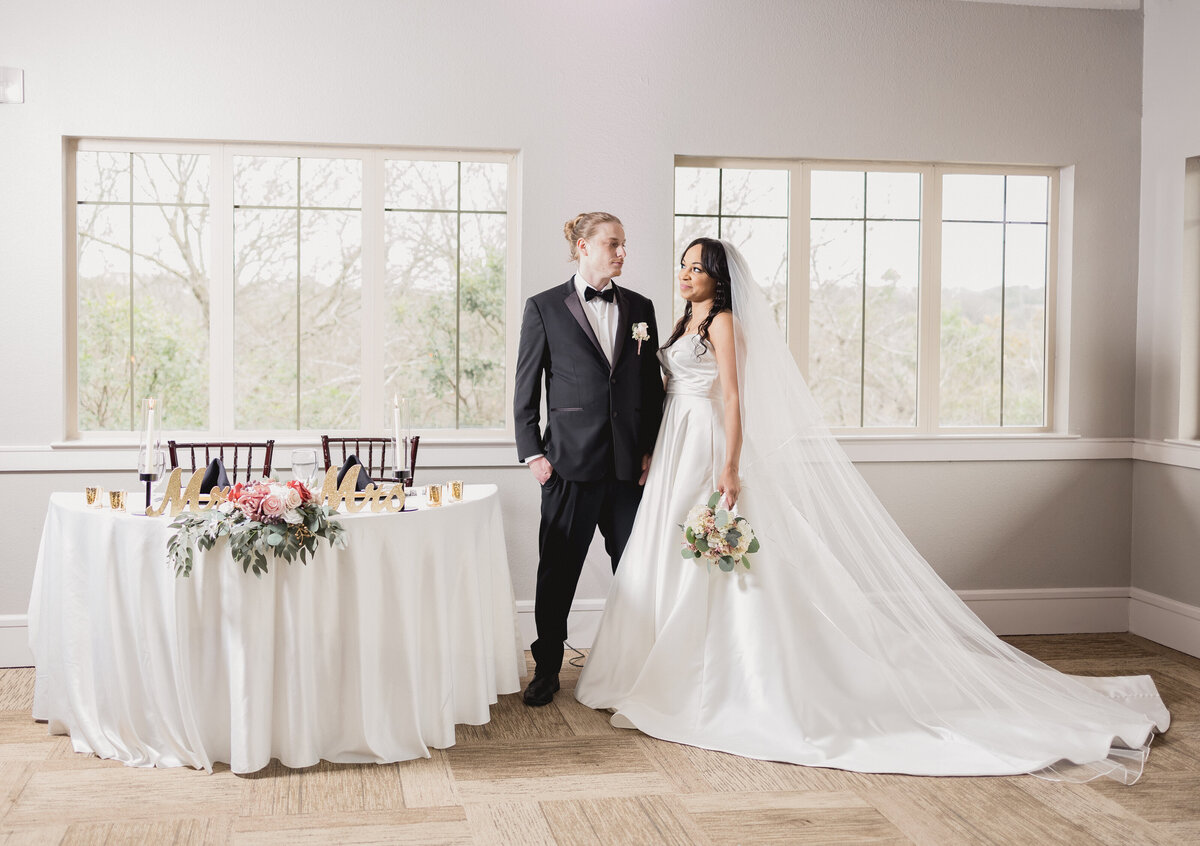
696 519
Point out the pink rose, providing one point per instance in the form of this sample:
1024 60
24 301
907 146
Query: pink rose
251 501
272 506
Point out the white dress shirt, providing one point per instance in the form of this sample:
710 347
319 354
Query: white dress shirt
601 314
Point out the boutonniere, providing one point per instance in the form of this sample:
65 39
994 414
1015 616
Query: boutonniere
641 332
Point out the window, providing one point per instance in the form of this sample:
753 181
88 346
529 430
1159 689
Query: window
925 299
297 292
445 241
142 282
265 289
747 206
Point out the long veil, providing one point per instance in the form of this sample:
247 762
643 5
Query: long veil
949 672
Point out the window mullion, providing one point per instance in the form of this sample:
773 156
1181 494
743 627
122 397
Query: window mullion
1054 409
221 316
458 395
373 297
1003 292
132 368
299 282
512 304
71 305
929 297
799 250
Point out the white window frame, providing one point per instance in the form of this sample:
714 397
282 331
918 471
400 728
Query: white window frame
221 297
928 281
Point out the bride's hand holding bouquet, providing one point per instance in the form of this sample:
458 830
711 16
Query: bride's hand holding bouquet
730 486
717 535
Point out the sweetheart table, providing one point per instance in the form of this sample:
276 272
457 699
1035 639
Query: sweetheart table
371 653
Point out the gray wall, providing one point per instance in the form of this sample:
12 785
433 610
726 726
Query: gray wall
1166 531
1009 524
1166 498
598 99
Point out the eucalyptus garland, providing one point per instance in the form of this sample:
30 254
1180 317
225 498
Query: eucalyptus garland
259 519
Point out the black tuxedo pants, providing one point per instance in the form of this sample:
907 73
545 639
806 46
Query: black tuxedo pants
571 513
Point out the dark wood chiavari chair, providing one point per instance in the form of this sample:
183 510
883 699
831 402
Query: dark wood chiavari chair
237 456
372 452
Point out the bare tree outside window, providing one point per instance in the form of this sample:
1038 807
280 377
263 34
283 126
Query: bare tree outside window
747 207
446 234
298 292
871 308
864 266
142 287
995 236
293 318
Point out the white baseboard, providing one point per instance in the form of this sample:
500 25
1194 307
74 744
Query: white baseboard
1006 612
582 623
1166 621
14 641
1051 610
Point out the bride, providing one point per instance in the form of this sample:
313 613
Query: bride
841 647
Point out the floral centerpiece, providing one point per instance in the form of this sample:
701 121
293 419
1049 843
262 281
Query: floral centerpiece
257 517
718 536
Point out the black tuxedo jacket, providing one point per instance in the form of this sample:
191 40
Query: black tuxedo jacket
600 417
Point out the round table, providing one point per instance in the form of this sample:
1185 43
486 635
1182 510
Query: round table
368 654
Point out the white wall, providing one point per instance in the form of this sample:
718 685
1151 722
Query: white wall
599 98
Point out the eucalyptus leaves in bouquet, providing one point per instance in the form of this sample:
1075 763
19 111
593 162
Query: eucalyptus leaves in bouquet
284 520
718 536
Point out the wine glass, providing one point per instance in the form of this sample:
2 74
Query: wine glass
304 465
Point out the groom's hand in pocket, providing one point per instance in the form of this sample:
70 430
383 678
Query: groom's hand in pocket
542 470
645 469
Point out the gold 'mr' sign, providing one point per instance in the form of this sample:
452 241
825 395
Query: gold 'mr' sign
380 497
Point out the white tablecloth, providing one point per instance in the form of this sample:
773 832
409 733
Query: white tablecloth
368 654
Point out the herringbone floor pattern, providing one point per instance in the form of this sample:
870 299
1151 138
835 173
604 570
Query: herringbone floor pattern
562 775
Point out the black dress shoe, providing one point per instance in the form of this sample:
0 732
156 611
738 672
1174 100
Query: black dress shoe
541 690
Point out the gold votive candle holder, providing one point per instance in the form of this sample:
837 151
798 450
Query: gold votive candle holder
91 495
433 495
456 490
116 500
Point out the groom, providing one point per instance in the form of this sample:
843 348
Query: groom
604 396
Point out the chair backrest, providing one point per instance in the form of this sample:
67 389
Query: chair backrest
372 452
238 457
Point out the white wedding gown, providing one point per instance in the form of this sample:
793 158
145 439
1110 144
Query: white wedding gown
805 659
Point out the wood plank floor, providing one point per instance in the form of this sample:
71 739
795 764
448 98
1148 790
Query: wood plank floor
562 775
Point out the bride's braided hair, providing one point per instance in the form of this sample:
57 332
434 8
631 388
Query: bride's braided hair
716 265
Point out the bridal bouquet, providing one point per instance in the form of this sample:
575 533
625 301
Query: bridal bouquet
718 536
257 517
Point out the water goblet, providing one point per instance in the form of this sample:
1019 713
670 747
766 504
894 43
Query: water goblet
304 465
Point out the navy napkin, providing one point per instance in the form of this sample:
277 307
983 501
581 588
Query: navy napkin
363 478
214 477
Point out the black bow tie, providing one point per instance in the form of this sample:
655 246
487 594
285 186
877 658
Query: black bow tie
590 293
